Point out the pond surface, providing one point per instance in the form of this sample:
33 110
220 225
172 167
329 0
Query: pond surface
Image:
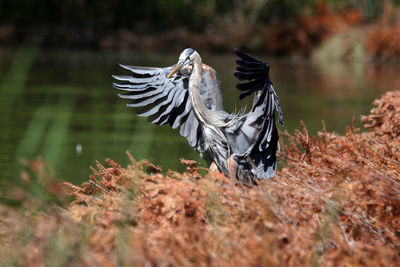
59 105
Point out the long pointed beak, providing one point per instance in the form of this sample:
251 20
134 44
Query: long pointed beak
177 67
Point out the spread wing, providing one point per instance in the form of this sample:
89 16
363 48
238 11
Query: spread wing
166 100
257 75
259 126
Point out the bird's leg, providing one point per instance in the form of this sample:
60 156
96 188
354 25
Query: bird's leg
232 168
213 167
251 162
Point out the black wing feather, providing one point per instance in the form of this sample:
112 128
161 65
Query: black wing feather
249 85
252 70
247 64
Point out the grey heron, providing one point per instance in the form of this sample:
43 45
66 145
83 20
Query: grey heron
187 94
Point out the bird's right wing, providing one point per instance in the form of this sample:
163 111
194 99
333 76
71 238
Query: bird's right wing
161 99
165 100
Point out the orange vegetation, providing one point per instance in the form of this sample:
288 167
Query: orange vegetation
383 40
309 31
336 202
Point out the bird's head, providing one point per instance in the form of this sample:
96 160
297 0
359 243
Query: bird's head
186 58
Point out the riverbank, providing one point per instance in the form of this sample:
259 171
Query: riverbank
335 202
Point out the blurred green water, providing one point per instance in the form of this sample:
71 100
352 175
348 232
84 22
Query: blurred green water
59 105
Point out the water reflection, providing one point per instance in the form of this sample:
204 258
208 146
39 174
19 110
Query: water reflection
60 105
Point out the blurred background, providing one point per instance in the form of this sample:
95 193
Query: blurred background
328 59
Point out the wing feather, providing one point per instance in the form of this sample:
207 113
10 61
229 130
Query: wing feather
138 95
175 120
164 116
148 100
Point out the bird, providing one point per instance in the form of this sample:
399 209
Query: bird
187 94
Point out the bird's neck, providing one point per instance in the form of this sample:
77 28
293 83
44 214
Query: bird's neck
201 111
203 114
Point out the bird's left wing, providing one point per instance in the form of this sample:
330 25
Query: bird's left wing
256 74
259 125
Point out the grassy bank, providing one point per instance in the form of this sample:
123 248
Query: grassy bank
336 202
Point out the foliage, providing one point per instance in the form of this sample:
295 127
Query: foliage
335 203
348 45
383 39
159 14
379 40
310 30
273 26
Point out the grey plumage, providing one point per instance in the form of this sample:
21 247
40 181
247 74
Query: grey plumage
243 146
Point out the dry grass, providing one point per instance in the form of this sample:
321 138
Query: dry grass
337 202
